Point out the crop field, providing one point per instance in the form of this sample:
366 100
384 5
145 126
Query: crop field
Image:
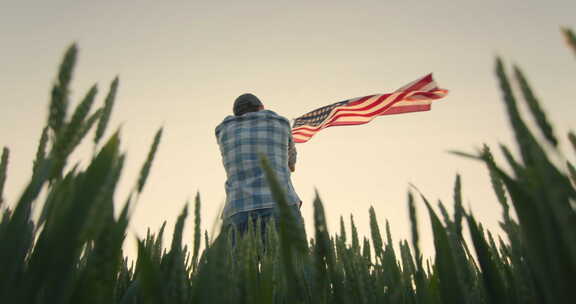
72 251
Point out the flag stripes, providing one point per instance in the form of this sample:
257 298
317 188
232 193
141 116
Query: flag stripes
413 97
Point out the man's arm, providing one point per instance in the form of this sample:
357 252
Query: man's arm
292 154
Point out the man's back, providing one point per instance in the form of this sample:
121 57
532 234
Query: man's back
242 139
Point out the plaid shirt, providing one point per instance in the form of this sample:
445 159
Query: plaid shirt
241 140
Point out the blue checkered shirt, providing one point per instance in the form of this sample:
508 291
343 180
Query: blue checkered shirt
241 140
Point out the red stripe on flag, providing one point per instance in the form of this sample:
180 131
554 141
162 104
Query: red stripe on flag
407 109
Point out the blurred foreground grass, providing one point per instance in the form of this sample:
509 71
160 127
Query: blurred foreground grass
72 253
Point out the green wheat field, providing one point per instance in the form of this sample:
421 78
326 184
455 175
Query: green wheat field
72 251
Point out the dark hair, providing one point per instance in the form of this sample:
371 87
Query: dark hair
246 103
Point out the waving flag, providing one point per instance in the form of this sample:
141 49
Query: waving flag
413 97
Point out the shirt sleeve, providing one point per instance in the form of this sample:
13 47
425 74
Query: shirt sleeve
292 154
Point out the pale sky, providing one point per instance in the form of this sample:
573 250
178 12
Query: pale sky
182 63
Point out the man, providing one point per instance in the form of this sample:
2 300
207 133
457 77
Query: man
253 131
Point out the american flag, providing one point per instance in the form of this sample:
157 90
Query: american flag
413 97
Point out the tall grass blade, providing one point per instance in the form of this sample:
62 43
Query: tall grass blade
214 274
342 230
102 214
59 100
535 109
174 270
572 172
570 38
73 128
458 209
179 229
355 239
495 179
366 251
464 154
86 127
493 281
197 232
3 172
145 171
450 287
67 140
376 236
530 150
292 238
148 277
414 227
541 231
41 151
290 230
98 279
516 167
572 139
107 111
82 109
14 232
420 281
328 275
61 242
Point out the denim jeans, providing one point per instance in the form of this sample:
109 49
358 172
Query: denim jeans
240 220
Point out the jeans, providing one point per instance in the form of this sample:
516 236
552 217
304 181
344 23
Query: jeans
241 220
